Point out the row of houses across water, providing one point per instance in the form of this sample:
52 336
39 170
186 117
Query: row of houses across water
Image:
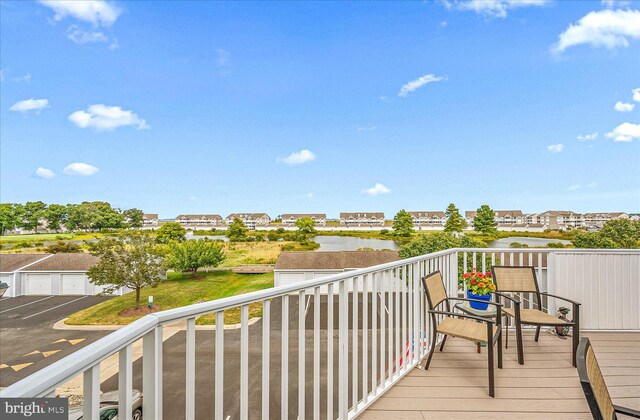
505 219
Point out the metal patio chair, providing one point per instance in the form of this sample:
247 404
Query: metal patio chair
594 387
511 279
468 327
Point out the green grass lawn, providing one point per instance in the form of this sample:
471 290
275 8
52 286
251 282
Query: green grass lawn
40 237
180 290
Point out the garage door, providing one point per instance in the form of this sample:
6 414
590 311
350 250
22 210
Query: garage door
38 284
73 284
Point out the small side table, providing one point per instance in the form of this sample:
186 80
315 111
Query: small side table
490 312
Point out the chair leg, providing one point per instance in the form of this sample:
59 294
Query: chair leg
433 347
500 350
506 338
442 344
519 343
576 341
492 391
537 334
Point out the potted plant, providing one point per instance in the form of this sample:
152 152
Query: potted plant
479 287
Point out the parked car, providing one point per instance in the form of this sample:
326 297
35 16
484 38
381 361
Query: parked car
109 406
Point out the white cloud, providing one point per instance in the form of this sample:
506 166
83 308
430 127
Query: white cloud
44 173
492 8
114 44
604 28
373 127
615 3
224 56
588 137
80 168
24 78
376 190
308 195
623 107
576 187
106 118
80 36
443 23
636 94
418 83
625 132
97 12
297 158
555 148
30 105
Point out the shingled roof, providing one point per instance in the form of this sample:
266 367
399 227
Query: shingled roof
334 260
12 262
65 262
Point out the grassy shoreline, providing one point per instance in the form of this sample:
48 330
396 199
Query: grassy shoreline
180 290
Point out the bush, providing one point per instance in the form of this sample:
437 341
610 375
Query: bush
21 244
518 245
384 232
63 247
288 247
555 245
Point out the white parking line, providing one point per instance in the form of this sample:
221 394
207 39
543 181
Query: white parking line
55 307
20 306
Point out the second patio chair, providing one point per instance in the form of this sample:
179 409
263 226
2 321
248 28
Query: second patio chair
468 327
594 387
523 280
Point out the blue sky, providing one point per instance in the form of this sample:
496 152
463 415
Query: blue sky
208 107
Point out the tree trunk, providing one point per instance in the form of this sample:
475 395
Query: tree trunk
137 296
194 271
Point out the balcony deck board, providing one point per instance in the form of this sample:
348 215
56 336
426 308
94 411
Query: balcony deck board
547 386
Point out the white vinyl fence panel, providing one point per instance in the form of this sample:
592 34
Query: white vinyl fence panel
607 283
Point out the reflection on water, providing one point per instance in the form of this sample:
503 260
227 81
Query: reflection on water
532 242
348 243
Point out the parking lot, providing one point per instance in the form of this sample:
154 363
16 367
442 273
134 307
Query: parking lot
28 341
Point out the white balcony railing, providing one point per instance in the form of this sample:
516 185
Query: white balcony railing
382 333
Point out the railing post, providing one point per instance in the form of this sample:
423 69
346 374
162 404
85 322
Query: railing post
266 320
125 382
190 374
152 373
91 393
343 355
219 368
244 362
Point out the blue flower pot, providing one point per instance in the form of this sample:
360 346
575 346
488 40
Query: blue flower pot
479 305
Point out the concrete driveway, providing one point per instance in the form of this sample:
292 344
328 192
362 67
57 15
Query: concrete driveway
28 341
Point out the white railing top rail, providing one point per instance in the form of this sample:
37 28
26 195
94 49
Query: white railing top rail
45 380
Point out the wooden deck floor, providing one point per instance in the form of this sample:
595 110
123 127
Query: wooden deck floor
545 387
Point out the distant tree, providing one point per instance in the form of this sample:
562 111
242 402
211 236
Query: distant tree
93 215
306 226
455 222
33 215
237 231
55 215
132 260
191 255
134 217
61 246
11 216
402 224
485 220
169 232
620 233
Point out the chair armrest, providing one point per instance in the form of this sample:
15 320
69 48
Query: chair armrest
476 318
476 300
516 301
627 411
560 297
